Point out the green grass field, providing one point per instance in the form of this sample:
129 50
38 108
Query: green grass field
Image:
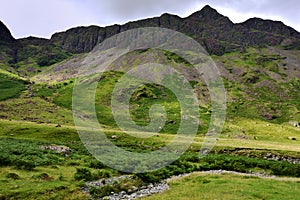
231 187
20 142
9 88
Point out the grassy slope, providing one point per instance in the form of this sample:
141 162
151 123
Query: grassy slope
36 110
20 142
10 85
60 184
248 77
33 57
262 84
246 126
227 186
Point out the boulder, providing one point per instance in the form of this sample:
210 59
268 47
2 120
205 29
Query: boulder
58 148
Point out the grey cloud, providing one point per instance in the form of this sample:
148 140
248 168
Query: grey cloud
40 18
122 11
285 10
145 7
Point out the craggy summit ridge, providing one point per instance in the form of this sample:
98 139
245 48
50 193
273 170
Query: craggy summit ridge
214 31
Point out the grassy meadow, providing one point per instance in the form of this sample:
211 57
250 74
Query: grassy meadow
228 186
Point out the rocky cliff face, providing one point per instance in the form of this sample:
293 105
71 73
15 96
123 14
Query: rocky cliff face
78 40
214 31
274 27
5 35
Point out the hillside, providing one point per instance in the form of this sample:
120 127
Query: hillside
41 152
28 56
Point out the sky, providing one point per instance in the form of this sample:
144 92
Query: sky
42 18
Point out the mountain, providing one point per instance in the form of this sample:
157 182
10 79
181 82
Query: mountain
256 55
41 153
5 35
253 57
214 31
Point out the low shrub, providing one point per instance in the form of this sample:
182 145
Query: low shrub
221 162
25 164
43 176
13 176
99 192
96 164
102 174
83 174
25 154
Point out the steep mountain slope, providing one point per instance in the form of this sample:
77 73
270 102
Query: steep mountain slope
27 56
5 35
214 31
253 57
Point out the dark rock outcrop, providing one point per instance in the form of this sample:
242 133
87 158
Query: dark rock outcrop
211 29
5 35
269 26
78 40
214 31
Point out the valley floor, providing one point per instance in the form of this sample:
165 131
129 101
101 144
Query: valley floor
27 172
215 185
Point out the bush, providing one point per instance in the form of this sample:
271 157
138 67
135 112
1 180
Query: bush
96 164
4 160
99 192
43 176
126 185
25 154
245 164
150 177
83 174
102 174
221 162
13 176
25 164
61 177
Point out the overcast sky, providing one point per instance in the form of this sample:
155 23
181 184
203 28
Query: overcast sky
42 18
